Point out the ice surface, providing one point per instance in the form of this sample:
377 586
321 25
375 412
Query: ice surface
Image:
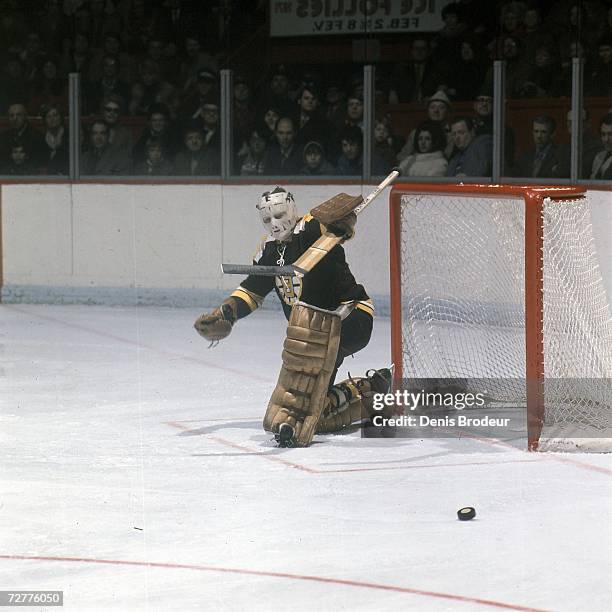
135 475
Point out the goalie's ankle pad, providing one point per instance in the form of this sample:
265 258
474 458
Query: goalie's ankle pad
351 400
309 357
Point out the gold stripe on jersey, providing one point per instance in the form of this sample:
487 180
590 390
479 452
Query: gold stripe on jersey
253 300
364 305
301 224
262 245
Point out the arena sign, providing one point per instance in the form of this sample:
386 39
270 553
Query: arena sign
333 17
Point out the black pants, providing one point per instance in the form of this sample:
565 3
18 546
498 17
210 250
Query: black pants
354 335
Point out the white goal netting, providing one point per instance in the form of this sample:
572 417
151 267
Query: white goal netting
463 307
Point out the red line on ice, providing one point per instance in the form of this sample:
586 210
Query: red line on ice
246 449
305 577
310 470
562 458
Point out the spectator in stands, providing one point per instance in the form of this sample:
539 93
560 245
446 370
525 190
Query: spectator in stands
517 69
334 107
480 16
206 87
155 162
311 125
543 80
113 47
536 35
428 158
467 70
20 131
354 111
12 30
438 111
244 111
543 161
600 78
156 52
382 145
56 139
591 145
141 20
574 19
512 18
417 78
173 103
210 120
510 25
52 27
109 84
270 117
103 19
602 164
447 40
473 154
195 60
253 162
12 84
277 95
137 106
175 18
284 156
350 162
156 90
119 136
20 163
483 124
32 56
315 163
564 77
606 31
101 158
195 159
158 129
48 88
76 56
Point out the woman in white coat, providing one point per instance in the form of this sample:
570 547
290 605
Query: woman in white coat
428 158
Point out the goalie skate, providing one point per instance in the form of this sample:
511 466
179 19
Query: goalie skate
285 438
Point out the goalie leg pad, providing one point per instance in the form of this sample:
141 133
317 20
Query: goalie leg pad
309 356
351 401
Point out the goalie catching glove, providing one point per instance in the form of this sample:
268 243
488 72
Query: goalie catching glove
216 325
344 228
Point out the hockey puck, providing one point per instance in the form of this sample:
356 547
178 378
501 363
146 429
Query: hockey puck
466 514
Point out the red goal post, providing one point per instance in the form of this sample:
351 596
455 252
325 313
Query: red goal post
442 195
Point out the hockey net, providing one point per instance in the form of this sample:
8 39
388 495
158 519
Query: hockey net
501 284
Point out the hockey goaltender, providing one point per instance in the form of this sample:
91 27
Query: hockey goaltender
330 317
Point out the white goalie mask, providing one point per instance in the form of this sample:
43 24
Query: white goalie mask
278 213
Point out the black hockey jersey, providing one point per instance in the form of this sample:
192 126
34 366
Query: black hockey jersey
329 284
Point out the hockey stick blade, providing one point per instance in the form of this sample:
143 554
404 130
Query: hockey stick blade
260 270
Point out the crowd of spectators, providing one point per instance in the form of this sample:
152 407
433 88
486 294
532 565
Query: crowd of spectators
150 102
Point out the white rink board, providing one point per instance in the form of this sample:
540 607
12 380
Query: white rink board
172 239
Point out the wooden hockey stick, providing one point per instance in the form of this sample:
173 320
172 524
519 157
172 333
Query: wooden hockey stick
316 252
